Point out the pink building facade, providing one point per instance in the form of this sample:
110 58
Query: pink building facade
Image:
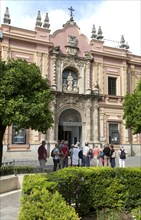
89 81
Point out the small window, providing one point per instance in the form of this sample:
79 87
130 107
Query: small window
113 134
111 86
18 136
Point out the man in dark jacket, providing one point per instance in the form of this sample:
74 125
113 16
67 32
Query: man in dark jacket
107 152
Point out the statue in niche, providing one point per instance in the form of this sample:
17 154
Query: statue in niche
69 82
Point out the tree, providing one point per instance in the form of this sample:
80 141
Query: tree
25 98
132 110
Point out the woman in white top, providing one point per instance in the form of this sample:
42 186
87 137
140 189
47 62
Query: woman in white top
75 151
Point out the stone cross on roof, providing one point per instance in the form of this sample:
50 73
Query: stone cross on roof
71 11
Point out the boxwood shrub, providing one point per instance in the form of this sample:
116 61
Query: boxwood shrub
7 170
90 190
38 203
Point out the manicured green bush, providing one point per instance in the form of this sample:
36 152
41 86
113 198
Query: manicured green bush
90 190
137 213
44 205
7 170
37 181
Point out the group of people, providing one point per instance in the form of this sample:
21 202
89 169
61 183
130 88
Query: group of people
107 154
81 156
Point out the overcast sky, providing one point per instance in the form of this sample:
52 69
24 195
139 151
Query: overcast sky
116 17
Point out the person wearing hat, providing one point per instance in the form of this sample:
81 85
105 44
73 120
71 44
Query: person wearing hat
42 155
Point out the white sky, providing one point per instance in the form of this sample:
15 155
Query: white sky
116 17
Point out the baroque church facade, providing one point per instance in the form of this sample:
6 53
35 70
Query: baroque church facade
89 81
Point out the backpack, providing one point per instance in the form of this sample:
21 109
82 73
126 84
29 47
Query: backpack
90 153
80 154
122 154
52 153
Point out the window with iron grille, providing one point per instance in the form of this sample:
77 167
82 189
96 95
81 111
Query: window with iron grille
112 86
18 135
113 134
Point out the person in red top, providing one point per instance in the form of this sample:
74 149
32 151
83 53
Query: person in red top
96 155
42 155
65 154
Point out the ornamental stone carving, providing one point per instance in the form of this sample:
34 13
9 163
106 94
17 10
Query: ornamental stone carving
70 85
72 41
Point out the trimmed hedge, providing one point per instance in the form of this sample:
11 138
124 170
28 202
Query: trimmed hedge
89 190
7 170
92 189
38 203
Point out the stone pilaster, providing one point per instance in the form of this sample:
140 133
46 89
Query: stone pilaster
52 136
101 118
38 60
5 53
124 81
95 125
95 74
45 66
88 87
53 72
88 121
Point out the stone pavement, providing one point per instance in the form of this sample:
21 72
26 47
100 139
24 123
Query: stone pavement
10 202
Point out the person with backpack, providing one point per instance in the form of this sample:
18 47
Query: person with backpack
56 156
122 156
112 156
107 153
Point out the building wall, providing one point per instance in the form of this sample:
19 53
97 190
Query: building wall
93 64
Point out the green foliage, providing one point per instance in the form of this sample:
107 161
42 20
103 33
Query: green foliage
132 110
24 96
37 181
7 170
38 203
107 192
137 213
96 188
111 214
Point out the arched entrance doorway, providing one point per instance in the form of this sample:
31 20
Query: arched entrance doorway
70 126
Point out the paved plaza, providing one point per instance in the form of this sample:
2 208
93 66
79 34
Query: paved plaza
10 202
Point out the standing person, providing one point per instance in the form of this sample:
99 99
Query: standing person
107 152
90 154
101 155
42 155
85 160
112 156
60 150
70 153
122 156
56 157
75 152
65 154
96 153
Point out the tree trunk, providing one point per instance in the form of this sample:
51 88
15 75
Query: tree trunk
2 131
